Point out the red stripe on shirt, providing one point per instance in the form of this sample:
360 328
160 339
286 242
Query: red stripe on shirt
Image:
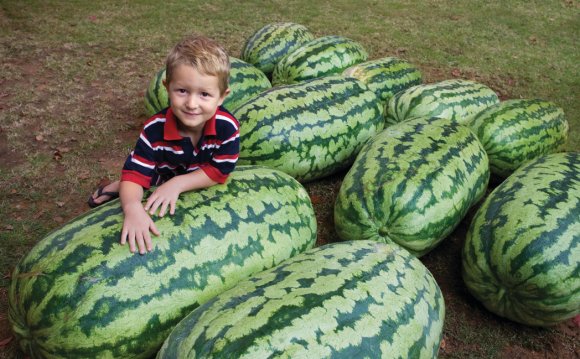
136 177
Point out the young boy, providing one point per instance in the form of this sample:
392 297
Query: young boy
191 145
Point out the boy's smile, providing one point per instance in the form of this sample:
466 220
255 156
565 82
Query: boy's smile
194 98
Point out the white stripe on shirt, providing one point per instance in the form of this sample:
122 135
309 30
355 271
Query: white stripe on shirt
222 117
233 138
142 164
232 160
161 119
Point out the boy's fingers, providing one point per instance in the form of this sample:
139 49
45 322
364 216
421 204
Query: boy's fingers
150 202
153 207
154 229
131 240
172 208
148 244
123 236
141 244
163 209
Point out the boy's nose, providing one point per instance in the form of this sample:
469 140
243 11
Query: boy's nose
191 102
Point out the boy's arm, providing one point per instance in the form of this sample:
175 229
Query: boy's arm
137 222
166 195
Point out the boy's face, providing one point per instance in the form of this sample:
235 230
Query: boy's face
194 97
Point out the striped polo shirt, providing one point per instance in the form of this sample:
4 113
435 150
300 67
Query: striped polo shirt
162 153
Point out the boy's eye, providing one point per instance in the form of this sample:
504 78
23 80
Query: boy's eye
181 90
205 94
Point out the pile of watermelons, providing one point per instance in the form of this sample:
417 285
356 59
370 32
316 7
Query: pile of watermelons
234 272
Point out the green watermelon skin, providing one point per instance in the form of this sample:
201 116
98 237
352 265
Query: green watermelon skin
323 56
80 294
521 257
269 44
412 184
156 98
358 299
309 130
520 130
246 81
458 100
386 76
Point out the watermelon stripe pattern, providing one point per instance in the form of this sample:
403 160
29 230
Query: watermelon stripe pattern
516 131
521 256
309 130
156 98
386 76
79 294
457 100
342 300
412 184
323 56
269 44
246 81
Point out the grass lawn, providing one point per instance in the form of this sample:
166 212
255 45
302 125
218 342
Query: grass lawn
73 76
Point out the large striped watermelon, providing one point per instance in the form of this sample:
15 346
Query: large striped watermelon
386 76
156 98
457 100
515 131
79 294
309 130
269 44
246 81
412 184
320 57
358 299
521 257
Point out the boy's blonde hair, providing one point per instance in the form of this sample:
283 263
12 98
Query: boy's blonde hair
203 54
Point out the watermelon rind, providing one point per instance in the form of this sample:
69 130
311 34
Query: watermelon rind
79 294
272 42
412 184
457 99
521 257
386 76
323 56
519 130
309 130
358 299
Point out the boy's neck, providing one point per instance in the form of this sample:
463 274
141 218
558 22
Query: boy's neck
193 135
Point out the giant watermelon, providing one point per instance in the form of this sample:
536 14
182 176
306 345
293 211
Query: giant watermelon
386 76
323 56
521 256
309 130
412 184
79 294
515 131
457 100
269 44
357 299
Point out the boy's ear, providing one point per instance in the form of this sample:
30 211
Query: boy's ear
225 94
165 84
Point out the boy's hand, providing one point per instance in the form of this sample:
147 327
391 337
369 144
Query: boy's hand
136 227
163 197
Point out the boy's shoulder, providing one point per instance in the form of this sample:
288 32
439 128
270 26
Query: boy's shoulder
159 117
225 120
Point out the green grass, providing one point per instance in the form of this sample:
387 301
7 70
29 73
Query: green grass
73 74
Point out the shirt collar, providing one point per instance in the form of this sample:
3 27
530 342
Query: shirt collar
171 132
